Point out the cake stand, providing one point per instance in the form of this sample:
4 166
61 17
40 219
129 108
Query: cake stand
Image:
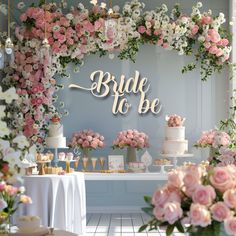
176 156
163 168
56 159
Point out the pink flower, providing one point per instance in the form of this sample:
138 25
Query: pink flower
160 197
158 212
223 42
221 179
195 29
175 179
220 211
230 225
204 195
2 185
230 198
206 20
172 212
141 29
214 35
213 49
199 215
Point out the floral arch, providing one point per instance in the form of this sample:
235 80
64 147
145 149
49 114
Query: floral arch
81 31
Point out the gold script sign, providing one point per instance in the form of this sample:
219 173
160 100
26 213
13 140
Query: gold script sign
104 84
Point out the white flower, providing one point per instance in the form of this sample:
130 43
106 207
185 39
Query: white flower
3 129
164 7
9 95
80 6
21 141
3 204
199 4
4 144
116 8
21 5
13 158
3 9
69 16
2 111
148 24
201 38
21 189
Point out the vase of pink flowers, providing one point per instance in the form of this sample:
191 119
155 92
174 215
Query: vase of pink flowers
197 199
217 141
86 141
133 140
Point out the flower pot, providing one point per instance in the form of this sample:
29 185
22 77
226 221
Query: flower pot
131 154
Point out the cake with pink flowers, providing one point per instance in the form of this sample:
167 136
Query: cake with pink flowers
175 142
55 137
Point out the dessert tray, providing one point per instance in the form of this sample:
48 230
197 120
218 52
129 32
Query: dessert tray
163 167
136 170
41 231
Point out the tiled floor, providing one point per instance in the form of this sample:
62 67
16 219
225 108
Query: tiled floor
119 225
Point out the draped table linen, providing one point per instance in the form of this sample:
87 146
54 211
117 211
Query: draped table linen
59 200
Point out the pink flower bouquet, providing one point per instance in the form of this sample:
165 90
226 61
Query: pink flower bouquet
174 121
196 199
131 138
87 140
213 138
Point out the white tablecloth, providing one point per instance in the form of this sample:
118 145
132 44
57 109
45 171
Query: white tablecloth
58 200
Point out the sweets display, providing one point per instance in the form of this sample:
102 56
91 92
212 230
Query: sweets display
175 142
160 162
44 156
55 137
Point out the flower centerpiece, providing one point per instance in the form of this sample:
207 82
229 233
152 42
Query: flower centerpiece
86 141
221 147
198 199
132 139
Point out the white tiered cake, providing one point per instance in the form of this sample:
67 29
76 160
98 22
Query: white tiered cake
175 142
55 137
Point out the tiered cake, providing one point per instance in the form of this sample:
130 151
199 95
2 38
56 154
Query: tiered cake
55 137
175 142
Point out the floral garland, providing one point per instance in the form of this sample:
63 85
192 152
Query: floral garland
80 32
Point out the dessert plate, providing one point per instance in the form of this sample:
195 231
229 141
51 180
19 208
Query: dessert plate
41 231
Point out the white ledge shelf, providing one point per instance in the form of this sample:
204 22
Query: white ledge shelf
124 176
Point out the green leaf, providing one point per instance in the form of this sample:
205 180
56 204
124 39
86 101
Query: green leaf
180 227
148 210
148 199
142 228
169 230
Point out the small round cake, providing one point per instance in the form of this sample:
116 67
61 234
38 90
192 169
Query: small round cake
28 223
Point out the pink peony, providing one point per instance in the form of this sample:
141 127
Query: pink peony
221 179
158 212
204 195
230 198
172 212
160 197
195 29
206 20
220 211
230 225
175 179
199 215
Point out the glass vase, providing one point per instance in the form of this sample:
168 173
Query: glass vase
212 230
131 154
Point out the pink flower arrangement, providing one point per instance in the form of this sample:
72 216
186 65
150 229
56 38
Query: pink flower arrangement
174 121
131 138
214 138
195 198
87 140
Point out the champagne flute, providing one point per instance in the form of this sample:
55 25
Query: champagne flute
94 162
102 162
77 161
85 163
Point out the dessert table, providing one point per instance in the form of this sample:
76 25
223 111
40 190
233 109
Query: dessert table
59 200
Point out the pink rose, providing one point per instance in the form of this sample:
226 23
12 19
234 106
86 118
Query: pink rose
204 195
230 225
141 29
195 29
175 178
230 198
158 212
220 211
160 197
199 215
221 179
206 20
172 212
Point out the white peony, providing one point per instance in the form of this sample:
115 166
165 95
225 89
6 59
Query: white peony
21 141
4 144
2 111
9 95
3 129
13 158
